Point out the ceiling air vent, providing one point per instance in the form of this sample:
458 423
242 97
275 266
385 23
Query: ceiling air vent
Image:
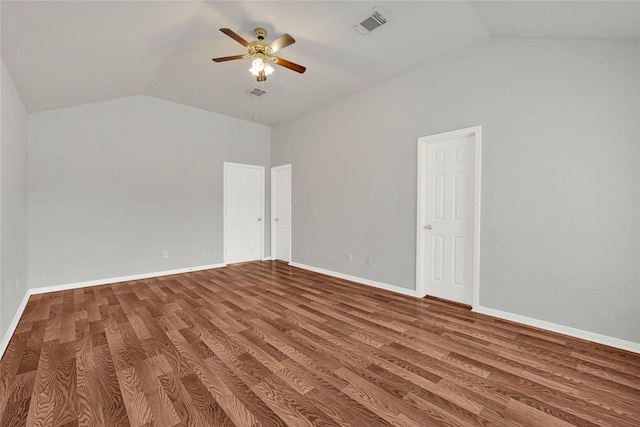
370 22
256 92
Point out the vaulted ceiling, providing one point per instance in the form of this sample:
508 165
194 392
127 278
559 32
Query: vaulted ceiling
66 53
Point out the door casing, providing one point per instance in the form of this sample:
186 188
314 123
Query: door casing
475 133
228 165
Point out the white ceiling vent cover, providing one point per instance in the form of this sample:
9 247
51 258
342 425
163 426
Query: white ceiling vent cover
256 92
370 22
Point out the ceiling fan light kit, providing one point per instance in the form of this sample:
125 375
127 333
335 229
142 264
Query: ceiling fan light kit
262 53
260 69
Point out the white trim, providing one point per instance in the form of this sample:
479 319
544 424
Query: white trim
224 208
14 324
273 200
476 217
476 133
77 285
421 208
554 327
268 258
56 288
561 329
380 285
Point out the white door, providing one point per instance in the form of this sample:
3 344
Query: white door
243 212
281 213
447 264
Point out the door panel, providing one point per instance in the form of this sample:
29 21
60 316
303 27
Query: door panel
448 219
438 258
244 208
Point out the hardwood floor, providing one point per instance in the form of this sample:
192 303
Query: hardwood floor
265 344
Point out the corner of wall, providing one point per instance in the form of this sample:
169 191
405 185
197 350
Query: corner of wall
13 201
8 332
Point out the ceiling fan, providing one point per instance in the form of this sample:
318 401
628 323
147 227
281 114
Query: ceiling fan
262 53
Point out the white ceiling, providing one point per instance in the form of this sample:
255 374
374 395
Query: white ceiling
65 53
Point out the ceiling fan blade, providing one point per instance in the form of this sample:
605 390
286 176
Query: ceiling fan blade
281 42
288 64
234 36
229 58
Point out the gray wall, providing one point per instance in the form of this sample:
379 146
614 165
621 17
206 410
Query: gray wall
560 215
13 201
113 184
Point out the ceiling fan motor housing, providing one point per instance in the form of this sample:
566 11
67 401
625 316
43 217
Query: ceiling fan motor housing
259 49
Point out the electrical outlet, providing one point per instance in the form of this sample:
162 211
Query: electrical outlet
165 254
367 260
349 257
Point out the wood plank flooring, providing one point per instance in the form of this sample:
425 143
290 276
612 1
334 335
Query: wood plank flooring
265 344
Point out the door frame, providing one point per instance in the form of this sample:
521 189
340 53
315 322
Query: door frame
274 170
224 208
476 133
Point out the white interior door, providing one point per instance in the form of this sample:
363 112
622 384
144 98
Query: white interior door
447 264
243 212
281 213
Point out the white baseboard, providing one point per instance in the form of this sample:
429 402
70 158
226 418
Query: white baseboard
111 280
14 323
553 327
380 285
266 259
565 330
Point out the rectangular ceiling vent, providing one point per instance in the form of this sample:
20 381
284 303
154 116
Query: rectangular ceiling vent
370 22
256 92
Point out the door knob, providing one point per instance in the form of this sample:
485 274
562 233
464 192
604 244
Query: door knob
259 219
427 227
275 219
